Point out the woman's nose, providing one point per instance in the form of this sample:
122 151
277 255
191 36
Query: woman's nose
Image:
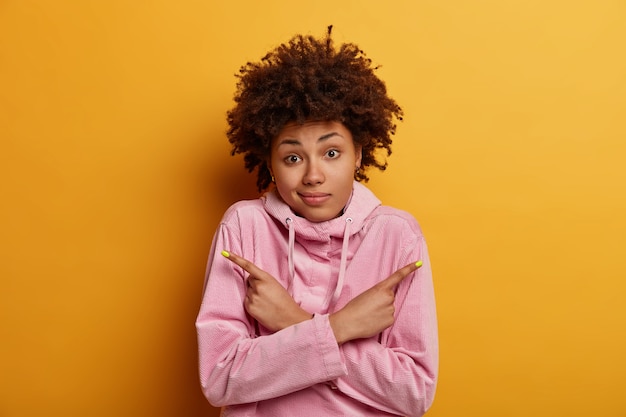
313 175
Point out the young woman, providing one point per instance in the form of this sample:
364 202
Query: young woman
318 300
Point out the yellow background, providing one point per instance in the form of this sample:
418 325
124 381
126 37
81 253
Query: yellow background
115 170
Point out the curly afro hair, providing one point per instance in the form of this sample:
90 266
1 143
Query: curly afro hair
309 79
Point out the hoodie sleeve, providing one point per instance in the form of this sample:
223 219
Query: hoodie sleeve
235 365
398 374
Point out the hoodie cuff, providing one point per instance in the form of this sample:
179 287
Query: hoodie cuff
328 347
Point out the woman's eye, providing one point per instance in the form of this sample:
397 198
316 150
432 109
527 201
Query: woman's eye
292 159
333 153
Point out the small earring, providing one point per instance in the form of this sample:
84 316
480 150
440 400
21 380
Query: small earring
358 170
273 180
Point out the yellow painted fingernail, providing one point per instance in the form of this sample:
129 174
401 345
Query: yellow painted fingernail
225 254
418 264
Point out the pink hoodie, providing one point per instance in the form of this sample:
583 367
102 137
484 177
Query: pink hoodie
300 370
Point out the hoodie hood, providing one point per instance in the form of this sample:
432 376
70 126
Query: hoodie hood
360 205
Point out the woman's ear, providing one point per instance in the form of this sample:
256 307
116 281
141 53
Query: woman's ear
359 156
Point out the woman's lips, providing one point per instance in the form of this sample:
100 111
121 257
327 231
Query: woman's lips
314 199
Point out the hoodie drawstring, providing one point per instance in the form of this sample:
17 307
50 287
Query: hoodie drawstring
290 249
343 263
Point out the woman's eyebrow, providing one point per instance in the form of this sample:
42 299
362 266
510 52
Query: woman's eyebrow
328 136
289 142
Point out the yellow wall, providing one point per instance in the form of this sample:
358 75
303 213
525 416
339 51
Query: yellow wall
114 171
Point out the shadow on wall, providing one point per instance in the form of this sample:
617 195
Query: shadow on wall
216 181
235 183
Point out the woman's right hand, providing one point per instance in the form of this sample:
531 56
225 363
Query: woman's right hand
372 311
267 301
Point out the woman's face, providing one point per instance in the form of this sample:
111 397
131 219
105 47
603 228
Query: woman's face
313 165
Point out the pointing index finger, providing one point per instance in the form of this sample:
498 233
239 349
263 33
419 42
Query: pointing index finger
248 266
398 276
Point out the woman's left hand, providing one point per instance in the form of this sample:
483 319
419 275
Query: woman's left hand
266 300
